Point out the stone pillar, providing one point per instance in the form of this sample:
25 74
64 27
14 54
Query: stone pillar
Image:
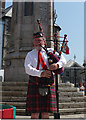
24 24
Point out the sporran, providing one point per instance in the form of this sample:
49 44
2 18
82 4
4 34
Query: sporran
44 90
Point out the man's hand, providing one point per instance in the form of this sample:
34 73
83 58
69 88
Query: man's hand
46 74
53 66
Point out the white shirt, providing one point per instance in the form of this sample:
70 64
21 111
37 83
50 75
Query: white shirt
31 61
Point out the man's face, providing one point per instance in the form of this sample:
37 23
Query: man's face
38 41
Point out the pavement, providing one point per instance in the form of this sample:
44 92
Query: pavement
62 117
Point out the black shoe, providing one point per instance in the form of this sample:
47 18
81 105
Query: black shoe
56 115
39 115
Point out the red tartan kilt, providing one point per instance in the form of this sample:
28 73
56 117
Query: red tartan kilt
36 103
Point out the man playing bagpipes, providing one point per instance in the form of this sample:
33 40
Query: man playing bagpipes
41 96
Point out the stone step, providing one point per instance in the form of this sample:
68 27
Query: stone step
68 89
20 105
71 94
72 105
24 88
24 93
78 99
62 117
66 85
20 112
71 99
14 83
23 99
16 88
85 98
13 99
14 93
70 111
26 83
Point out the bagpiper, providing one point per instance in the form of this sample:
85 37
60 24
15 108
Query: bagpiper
41 96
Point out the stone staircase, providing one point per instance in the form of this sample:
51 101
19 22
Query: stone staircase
71 100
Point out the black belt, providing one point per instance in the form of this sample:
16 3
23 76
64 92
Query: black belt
41 80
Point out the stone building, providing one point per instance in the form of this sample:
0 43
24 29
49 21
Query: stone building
2 8
72 73
6 19
23 25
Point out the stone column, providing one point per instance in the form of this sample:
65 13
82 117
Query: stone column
24 24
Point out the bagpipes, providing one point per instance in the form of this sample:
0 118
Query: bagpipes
52 58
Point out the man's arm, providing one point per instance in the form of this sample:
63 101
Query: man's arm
29 69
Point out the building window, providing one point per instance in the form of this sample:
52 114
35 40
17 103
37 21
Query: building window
28 9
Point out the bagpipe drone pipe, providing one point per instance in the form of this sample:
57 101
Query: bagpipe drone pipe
52 58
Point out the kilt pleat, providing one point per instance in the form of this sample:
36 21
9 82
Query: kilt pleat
36 103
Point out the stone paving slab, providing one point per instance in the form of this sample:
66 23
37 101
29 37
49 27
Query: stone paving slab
62 117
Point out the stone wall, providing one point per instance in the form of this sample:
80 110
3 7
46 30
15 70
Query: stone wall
23 27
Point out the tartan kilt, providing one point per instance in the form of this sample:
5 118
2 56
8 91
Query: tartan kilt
36 103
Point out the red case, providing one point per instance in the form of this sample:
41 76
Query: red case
7 113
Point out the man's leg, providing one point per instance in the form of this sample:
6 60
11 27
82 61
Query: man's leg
34 115
45 115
